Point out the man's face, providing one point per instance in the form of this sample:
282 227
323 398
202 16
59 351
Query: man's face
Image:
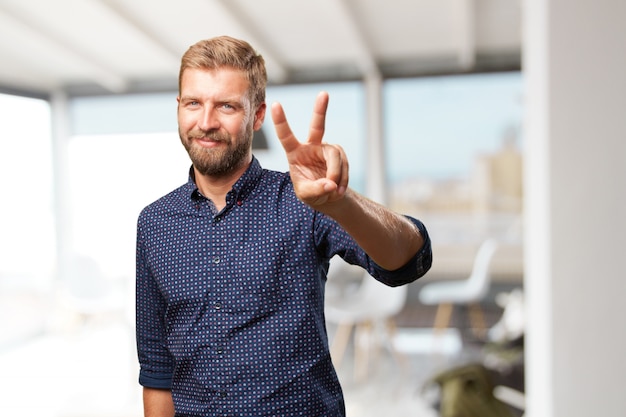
215 120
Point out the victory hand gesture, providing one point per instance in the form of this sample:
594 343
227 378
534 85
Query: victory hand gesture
319 171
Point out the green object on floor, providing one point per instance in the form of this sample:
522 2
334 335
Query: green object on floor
467 391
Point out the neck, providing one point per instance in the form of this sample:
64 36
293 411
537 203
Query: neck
216 187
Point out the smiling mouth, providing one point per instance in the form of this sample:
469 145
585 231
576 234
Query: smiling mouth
207 141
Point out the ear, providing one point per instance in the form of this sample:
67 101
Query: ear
259 116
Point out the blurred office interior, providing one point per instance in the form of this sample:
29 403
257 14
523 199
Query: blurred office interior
503 122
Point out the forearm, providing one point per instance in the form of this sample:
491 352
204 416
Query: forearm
157 403
389 238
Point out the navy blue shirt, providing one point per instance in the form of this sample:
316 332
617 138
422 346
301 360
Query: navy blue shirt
230 305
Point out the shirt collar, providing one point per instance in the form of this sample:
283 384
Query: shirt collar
241 189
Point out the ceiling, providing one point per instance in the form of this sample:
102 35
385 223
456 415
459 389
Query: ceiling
121 46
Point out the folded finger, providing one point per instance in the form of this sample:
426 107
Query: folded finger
336 164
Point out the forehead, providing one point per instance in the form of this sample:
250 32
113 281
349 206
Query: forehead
218 82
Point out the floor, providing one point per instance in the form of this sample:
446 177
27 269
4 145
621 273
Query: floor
402 387
394 388
89 370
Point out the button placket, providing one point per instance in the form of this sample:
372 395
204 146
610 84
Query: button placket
215 259
217 265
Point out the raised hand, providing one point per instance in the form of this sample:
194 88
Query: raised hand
319 171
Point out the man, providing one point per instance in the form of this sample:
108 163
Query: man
231 266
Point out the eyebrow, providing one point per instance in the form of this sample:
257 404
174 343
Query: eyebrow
233 99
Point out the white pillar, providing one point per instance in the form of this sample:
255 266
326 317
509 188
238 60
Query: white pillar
575 185
376 175
60 136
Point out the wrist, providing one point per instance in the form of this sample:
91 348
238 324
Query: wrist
341 206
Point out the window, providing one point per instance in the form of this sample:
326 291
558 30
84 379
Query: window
454 158
27 243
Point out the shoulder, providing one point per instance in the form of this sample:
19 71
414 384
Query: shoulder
274 192
176 200
275 176
276 182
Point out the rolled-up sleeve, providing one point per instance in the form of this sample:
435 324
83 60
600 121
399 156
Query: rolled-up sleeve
156 364
415 268
332 239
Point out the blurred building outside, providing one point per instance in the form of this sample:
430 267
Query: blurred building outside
462 212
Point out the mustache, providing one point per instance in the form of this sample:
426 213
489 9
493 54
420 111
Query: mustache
212 135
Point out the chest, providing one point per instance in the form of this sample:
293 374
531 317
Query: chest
237 261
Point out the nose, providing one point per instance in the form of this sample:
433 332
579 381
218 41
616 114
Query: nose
208 119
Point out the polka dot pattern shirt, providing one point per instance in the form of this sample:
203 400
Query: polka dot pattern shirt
230 305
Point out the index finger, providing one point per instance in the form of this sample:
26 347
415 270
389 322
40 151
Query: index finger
283 131
318 121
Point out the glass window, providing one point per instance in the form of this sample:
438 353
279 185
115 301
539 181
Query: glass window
454 157
27 243
111 178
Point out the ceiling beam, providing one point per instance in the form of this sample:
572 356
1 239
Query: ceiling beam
156 38
98 71
366 61
279 71
467 34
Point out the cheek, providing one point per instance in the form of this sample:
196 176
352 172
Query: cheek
248 123
185 122
234 126
245 123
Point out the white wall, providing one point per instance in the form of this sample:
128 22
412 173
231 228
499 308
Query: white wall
575 69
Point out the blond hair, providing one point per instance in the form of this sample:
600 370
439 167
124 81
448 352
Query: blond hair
224 51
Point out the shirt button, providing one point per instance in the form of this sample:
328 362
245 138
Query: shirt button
223 394
239 203
216 260
217 305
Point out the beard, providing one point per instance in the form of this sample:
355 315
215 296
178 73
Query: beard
220 161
